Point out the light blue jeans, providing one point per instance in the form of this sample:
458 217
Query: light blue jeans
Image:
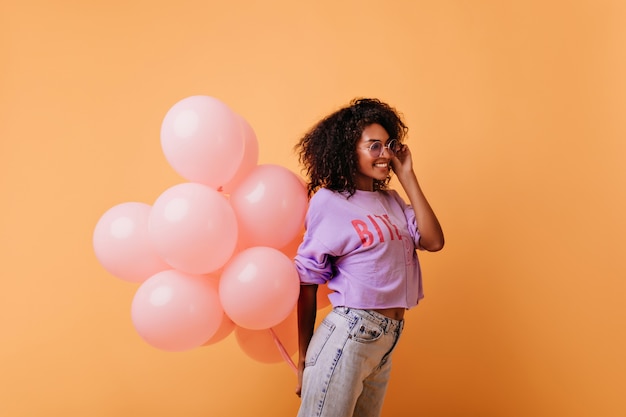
348 363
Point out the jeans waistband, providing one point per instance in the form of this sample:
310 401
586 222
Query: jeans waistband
385 322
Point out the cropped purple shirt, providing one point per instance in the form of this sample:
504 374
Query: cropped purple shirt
363 247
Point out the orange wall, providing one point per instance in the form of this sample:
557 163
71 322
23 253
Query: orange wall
516 110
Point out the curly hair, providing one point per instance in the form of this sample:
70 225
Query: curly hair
327 151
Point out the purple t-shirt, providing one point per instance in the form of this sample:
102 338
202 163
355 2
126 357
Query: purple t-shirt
363 247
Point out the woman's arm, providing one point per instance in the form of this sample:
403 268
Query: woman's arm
431 234
307 311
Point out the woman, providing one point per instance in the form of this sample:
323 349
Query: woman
361 240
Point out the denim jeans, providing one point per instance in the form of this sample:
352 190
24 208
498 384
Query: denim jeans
348 362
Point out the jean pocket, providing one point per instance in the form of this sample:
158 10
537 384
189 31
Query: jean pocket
365 331
318 341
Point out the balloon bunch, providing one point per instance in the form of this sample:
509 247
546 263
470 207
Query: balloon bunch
212 255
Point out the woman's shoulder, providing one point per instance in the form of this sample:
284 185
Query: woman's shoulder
324 195
392 195
325 203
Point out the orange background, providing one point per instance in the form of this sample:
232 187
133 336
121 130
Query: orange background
516 114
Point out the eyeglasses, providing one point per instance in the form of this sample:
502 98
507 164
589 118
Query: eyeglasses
377 148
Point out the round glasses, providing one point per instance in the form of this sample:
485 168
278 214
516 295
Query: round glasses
377 148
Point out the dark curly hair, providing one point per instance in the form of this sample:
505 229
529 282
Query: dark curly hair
327 152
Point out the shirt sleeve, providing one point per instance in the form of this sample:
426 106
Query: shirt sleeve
411 221
313 262
314 259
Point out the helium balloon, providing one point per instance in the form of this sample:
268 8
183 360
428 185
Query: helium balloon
226 325
270 205
259 287
262 346
175 311
202 140
122 243
250 156
193 228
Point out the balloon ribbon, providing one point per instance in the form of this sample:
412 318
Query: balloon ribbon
283 351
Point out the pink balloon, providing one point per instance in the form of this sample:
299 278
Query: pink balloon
226 326
322 290
261 346
122 243
224 330
259 287
202 140
193 228
270 205
250 156
291 249
175 311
